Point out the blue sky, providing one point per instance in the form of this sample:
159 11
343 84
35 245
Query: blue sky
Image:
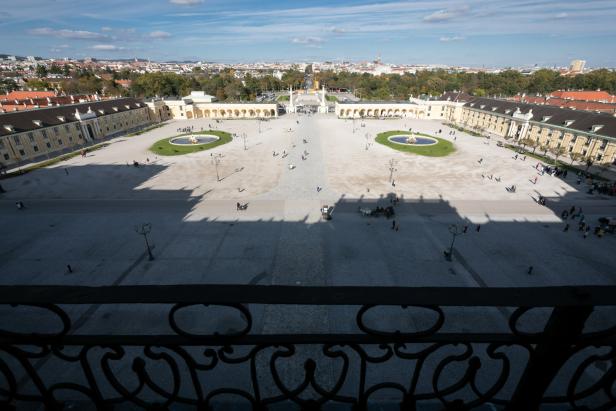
493 33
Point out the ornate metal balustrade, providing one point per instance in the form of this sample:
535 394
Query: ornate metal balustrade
445 348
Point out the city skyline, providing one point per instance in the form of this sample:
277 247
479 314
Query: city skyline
471 33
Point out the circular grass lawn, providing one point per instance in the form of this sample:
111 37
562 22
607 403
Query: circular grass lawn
164 147
440 149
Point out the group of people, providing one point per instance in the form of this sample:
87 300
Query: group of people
553 171
188 129
573 214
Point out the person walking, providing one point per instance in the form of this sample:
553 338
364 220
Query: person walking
478 227
566 227
530 270
393 224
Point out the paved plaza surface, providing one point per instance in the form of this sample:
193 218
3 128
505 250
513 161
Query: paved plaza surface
86 217
83 211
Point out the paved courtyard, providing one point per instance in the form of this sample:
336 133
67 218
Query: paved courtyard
83 211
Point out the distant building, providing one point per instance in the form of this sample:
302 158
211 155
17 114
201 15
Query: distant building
598 95
200 105
577 66
33 135
20 95
591 135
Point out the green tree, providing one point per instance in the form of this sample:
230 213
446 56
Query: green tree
574 156
557 152
41 71
55 69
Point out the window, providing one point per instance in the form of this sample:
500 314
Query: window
16 139
22 153
599 157
70 138
59 142
77 127
6 156
48 144
35 148
56 130
587 143
44 134
31 137
1 144
603 144
67 128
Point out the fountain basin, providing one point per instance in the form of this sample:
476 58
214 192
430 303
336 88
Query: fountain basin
194 140
412 140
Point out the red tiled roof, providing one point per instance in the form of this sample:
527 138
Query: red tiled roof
20 95
566 103
585 95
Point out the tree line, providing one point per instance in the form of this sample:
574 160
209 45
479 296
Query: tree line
226 86
505 83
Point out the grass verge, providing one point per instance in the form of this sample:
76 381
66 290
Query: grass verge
440 149
145 130
52 161
551 161
165 148
464 130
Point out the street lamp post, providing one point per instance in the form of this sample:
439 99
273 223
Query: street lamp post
368 138
455 231
144 229
392 168
216 161
244 137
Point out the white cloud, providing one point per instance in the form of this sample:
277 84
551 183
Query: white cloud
308 41
106 28
107 47
452 38
186 2
445 14
158 34
68 34
562 15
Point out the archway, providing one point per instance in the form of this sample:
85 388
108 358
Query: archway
90 131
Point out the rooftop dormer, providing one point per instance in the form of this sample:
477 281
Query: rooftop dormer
9 128
38 123
546 118
567 123
596 127
62 119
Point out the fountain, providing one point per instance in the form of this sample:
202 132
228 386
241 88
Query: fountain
412 140
194 139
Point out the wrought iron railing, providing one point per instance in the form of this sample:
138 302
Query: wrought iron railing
453 348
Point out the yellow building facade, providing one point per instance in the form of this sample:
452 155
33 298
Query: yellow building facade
34 135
